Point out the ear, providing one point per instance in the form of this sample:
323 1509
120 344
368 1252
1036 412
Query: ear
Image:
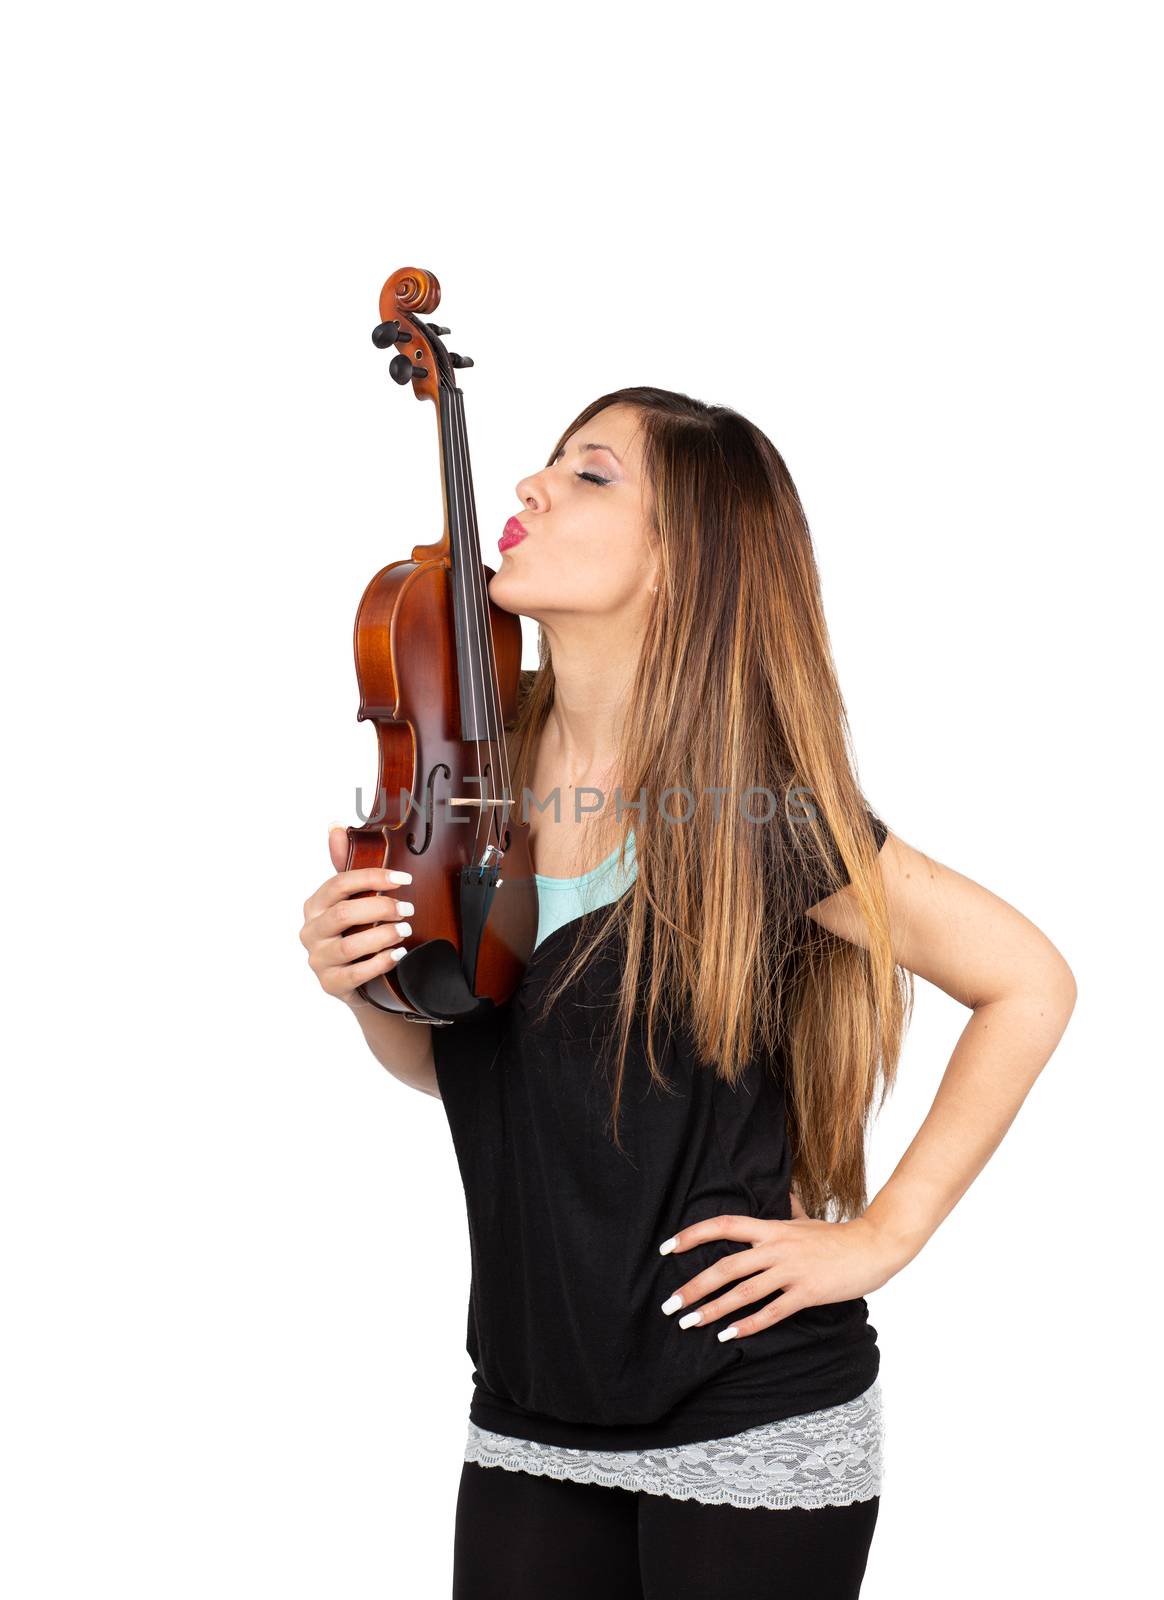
653 576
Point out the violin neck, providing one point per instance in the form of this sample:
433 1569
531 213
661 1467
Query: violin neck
476 663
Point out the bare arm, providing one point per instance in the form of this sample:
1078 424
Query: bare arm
404 1048
1021 992
342 960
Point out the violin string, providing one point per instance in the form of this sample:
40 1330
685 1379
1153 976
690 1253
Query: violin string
467 670
493 688
467 567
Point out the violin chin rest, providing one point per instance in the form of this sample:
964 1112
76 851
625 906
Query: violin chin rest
432 979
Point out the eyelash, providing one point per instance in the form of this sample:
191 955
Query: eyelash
590 477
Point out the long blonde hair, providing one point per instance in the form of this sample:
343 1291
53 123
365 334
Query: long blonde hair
737 688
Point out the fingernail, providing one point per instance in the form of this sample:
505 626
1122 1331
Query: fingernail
671 1305
404 929
332 826
405 907
690 1319
667 1246
400 877
728 1333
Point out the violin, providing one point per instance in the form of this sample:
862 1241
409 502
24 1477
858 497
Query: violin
438 667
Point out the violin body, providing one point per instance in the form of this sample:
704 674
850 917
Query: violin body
438 666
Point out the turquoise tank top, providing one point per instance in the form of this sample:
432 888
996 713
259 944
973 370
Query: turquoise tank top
562 900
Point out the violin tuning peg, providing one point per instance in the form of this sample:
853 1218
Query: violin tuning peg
403 370
385 335
435 327
460 361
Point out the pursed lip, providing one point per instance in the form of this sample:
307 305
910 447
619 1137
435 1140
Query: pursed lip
513 533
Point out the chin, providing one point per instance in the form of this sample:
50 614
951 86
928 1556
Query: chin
498 589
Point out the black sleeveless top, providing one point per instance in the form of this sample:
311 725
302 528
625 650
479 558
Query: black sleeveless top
568 1344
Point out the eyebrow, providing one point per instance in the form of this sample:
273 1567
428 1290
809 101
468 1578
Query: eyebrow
598 447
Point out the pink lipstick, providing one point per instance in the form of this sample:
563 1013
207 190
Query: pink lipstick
512 534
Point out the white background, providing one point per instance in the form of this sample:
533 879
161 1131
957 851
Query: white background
917 245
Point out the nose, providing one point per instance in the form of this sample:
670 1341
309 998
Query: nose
529 492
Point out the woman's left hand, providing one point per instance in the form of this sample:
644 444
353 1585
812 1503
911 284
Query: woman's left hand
813 1262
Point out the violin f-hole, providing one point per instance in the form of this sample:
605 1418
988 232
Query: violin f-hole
429 801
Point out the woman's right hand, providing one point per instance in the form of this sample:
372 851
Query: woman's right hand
342 960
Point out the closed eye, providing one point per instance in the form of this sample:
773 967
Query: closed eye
588 477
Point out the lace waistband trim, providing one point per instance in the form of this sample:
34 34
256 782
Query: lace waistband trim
829 1457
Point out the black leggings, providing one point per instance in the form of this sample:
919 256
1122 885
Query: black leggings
520 1536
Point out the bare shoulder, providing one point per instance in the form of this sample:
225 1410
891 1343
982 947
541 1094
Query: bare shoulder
948 928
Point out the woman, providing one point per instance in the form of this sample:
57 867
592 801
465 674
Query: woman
670 1113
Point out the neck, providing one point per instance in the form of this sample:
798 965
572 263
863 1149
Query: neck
593 670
